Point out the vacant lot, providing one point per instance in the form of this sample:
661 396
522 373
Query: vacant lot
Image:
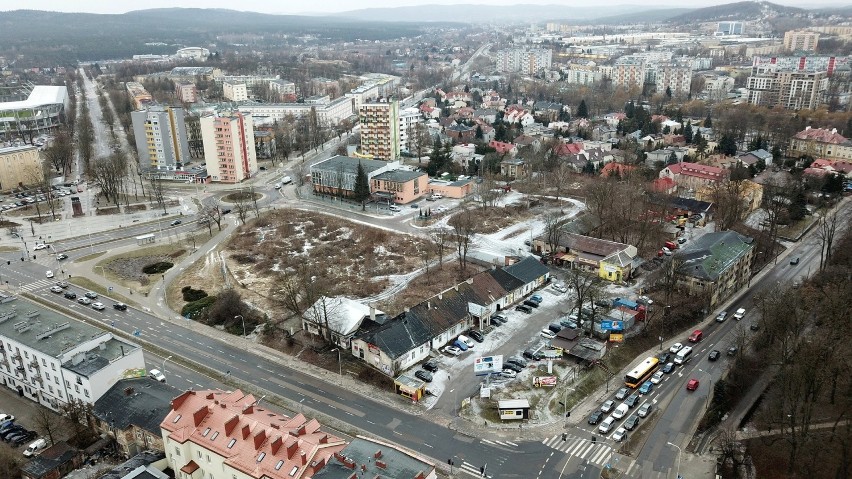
126 269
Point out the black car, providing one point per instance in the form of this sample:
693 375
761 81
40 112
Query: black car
71 295
431 365
424 375
555 327
519 361
664 357
497 322
531 303
21 440
632 400
120 306
226 211
631 423
513 367
477 336
754 326
714 355
794 261
522 308
595 417
530 354
14 430
176 222
668 368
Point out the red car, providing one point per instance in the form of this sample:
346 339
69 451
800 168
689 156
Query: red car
696 336
692 385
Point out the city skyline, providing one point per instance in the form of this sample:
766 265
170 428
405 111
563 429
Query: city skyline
336 6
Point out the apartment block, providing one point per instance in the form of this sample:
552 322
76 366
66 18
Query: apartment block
523 60
234 91
730 28
800 41
186 92
217 434
20 166
676 77
229 146
283 89
161 138
409 118
52 359
800 63
716 265
139 96
790 89
581 75
380 129
628 74
329 112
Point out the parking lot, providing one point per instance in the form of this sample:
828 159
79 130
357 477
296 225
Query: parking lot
25 412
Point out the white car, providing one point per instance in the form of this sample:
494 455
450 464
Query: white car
547 334
39 246
606 425
559 287
55 289
619 434
740 314
466 340
657 378
675 348
452 350
156 374
394 208
49 273
6 417
508 373
98 306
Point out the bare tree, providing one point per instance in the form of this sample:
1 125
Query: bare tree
488 191
553 231
47 423
212 214
560 178
10 463
242 205
60 153
110 173
440 237
826 231
464 229
584 285
156 189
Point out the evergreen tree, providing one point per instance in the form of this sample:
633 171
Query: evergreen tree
708 122
672 159
727 145
362 187
687 133
700 143
583 110
478 135
669 92
666 130
630 109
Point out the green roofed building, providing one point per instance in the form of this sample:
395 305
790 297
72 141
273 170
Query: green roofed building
716 265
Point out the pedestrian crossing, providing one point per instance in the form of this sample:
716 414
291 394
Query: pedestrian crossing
472 470
595 453
36 285
500 443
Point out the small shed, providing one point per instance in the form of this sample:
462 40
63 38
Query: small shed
513 409
409 387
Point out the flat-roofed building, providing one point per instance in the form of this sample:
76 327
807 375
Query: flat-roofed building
41 109
161 138
139 96
186 92
229 146
380 129
234 91
801 41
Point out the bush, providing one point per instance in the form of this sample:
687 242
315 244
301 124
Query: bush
194 309
157 268
190 295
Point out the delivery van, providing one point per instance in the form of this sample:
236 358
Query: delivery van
35 447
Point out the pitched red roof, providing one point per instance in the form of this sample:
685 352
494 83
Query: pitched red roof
565 149
663 185
706 172
822 135
616 169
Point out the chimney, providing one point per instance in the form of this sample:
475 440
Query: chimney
304 457
834 131
128 391
259 439
807 128
372 313
378 454
291 449
381 465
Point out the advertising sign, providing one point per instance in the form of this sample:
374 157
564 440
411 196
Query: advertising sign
616 338
552 353
485 365
544 381
608 325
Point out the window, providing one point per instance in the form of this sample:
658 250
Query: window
86 392
294 471
278 465
177 451
206 432
199 454
261 456
176 419
231 443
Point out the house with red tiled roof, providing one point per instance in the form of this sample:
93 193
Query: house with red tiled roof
503 148
693 175
820 143
612 119
225 434
832 166
430 111
664 185
566 149
616 170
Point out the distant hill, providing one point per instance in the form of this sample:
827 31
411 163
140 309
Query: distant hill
651 16
736 11
492 13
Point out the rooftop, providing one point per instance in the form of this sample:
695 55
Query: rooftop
138 465
399 175
822 135
141 402
347 164
41 95
375 459
16 149
341 315
710 255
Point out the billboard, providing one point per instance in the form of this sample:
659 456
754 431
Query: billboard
608 325
544 381
485 365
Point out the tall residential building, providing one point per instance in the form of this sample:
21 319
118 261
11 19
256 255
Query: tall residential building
628 73
676 77
234 91
729 28
380 129
186 92
799 41
138 94
523 60
224 435
408 120
161 138
803 63
229 146
790 89
20 165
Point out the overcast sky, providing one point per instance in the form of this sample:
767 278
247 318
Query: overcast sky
295 6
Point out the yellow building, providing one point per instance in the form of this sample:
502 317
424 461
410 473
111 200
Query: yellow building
20 166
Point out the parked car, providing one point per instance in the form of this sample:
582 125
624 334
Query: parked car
664 357
497 322
466 340
513 367
35 447
644 409
460 344
519 361
530 303
567 323
740 314
509 373
619 434
658 376
534 355
423 375
732 351
754 326
631 422
595 417
607 406
477 336
537 298
547 334
451 350
157 375
646 387
431 365
40 246
559 287
622 393
6 417
524 309
721 316
555 327
499 316
120 306
675 348
12 430
632 400
668 368
714 355
692 385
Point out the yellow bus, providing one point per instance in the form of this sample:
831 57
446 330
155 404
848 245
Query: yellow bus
642 372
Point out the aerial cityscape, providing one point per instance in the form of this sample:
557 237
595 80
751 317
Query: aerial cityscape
406 240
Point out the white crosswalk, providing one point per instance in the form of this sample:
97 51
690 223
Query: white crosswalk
42 283
595 453
501 443
472 470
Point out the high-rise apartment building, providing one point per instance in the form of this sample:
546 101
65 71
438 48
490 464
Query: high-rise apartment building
790 89
186 92
799 41
408 120
729 28
161 138
676 77
628 73
523 60
812 63
380 129
229 146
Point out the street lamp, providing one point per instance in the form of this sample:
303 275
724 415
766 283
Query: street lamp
339 364
678 457
163 369
244 323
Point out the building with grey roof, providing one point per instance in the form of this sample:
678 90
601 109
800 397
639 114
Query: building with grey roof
42 109
336 175
53 359
374 458
55 461
715 265
145 465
